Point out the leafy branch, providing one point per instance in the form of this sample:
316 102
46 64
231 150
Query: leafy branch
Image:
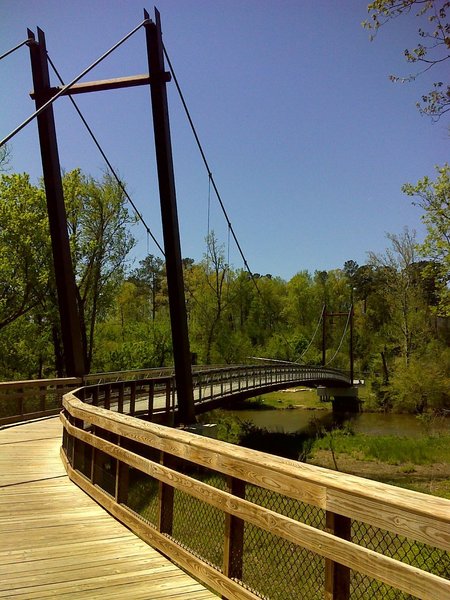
434 50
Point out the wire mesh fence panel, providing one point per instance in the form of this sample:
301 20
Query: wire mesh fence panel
105 471
366 588
9 406
82 457
143 495
274 567
289 507
277 569
199 527
413 553
212 478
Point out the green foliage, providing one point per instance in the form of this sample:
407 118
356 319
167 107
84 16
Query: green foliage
423 384
125 315
434 198
24 247
5 154
100 242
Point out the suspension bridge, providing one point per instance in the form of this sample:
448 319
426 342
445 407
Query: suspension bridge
241 524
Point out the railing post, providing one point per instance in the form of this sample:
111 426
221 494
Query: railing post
75 443
165 499
337 577
93 453
233 551
21 403
122 479
151 398
132 398
42 397
107 398
120 398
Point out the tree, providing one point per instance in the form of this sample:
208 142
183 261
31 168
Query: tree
214 300
404 301
434 198
424 385
149 276
432 49
24 247
100 242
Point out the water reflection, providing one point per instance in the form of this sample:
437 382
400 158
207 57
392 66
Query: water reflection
368 423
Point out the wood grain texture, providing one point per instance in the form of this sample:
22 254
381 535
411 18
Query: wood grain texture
401 511
55 541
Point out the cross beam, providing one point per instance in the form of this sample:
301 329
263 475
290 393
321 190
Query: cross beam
104 84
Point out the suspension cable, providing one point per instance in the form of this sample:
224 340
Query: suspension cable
342 339
197 139
314 335
219 198
69 85
27 41
273 360
105 158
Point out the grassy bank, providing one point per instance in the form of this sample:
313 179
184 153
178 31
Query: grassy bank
421 464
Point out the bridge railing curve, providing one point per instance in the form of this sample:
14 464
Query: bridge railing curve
22 400
248 524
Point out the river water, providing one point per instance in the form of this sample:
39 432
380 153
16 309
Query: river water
369 423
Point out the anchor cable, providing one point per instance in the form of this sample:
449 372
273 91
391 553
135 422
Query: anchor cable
27 41
72 83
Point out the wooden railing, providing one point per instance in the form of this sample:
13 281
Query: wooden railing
251 525
21 400
25 400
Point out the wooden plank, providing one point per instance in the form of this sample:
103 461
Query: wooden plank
199 569
391 517
57 542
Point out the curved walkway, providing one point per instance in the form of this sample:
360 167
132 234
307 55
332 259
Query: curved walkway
55 541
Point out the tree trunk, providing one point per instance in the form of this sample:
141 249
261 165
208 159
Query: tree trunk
58 351
385 368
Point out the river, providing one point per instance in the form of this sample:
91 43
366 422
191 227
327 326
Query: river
369 423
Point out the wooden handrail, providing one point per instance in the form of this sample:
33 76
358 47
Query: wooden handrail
418 517
33 383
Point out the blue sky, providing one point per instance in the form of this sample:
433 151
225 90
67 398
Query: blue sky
308 140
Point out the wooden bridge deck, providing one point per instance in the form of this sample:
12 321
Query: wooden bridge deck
55 541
